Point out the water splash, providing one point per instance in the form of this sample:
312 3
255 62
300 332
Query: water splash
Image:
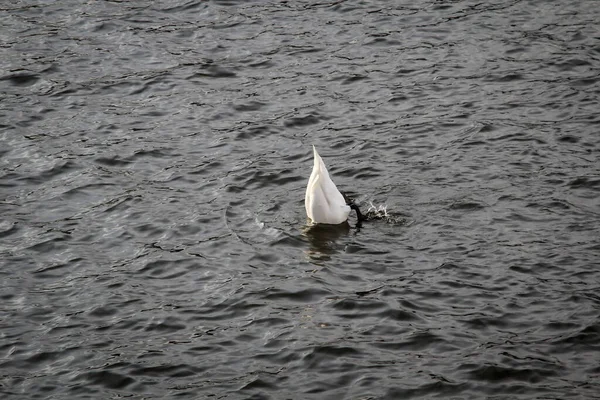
380 212
377 212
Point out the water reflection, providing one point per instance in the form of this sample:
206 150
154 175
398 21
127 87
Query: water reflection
323 239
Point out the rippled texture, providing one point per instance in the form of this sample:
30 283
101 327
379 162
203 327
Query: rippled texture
154 157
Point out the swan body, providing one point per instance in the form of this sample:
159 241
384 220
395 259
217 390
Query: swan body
324 203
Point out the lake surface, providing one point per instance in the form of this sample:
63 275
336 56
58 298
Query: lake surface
154 158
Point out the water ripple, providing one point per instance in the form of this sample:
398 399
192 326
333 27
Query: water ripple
154 159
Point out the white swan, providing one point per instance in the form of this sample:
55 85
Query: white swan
324 203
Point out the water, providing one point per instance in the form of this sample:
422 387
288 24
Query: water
154 158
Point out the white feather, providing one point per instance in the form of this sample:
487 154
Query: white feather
324 203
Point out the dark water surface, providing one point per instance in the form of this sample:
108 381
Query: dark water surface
154 157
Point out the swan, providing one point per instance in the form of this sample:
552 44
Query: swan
323 201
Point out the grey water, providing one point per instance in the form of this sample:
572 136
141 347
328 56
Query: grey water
154 158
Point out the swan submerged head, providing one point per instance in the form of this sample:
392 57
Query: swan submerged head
324 203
